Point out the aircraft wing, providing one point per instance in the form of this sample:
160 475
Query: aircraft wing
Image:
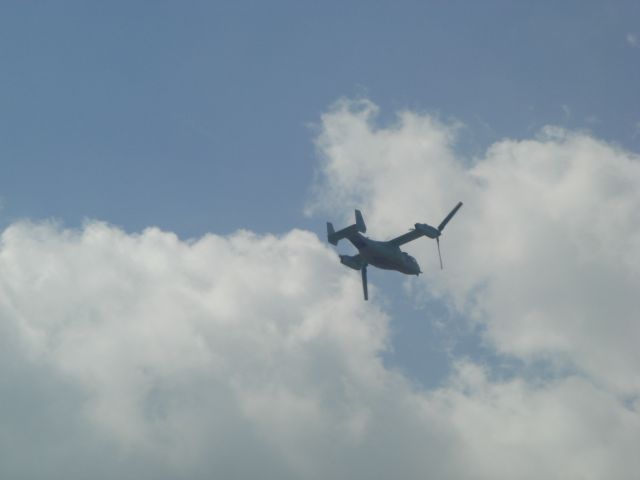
406 238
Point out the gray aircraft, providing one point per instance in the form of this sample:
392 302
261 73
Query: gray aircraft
386 255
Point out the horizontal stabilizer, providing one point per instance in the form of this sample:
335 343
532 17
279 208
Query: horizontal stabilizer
348 232
340 234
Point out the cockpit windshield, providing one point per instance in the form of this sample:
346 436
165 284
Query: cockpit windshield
409 258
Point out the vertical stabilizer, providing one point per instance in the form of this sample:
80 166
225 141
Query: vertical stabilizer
352 232
360 222
331 234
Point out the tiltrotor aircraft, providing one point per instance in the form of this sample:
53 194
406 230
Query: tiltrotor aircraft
386 255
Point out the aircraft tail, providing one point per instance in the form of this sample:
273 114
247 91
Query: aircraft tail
333 237
360 222
331 234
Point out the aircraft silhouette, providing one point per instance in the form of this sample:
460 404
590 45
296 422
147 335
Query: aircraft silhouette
386 255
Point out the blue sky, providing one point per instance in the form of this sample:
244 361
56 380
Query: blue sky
213 117
197 117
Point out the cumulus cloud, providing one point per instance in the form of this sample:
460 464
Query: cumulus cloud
145 356
228 356
189 351
565 428
545 253
543 258
633 39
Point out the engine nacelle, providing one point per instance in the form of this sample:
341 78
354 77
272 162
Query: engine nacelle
427 230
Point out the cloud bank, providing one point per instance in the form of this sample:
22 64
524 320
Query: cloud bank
545 253
144 356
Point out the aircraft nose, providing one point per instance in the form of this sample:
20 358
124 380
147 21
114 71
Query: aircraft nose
411 265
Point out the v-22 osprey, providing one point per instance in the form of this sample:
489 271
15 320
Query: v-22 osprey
387 254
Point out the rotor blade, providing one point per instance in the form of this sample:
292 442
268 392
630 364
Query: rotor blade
448 217
439 256
364 282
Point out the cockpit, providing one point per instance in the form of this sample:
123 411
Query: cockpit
412 263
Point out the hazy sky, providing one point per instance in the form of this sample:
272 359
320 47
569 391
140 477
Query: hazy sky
169 307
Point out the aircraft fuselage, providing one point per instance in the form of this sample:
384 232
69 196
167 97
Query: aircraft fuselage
387 256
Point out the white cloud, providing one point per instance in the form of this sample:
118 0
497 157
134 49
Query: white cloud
144 356
561 429
633 39
545 252
229 356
